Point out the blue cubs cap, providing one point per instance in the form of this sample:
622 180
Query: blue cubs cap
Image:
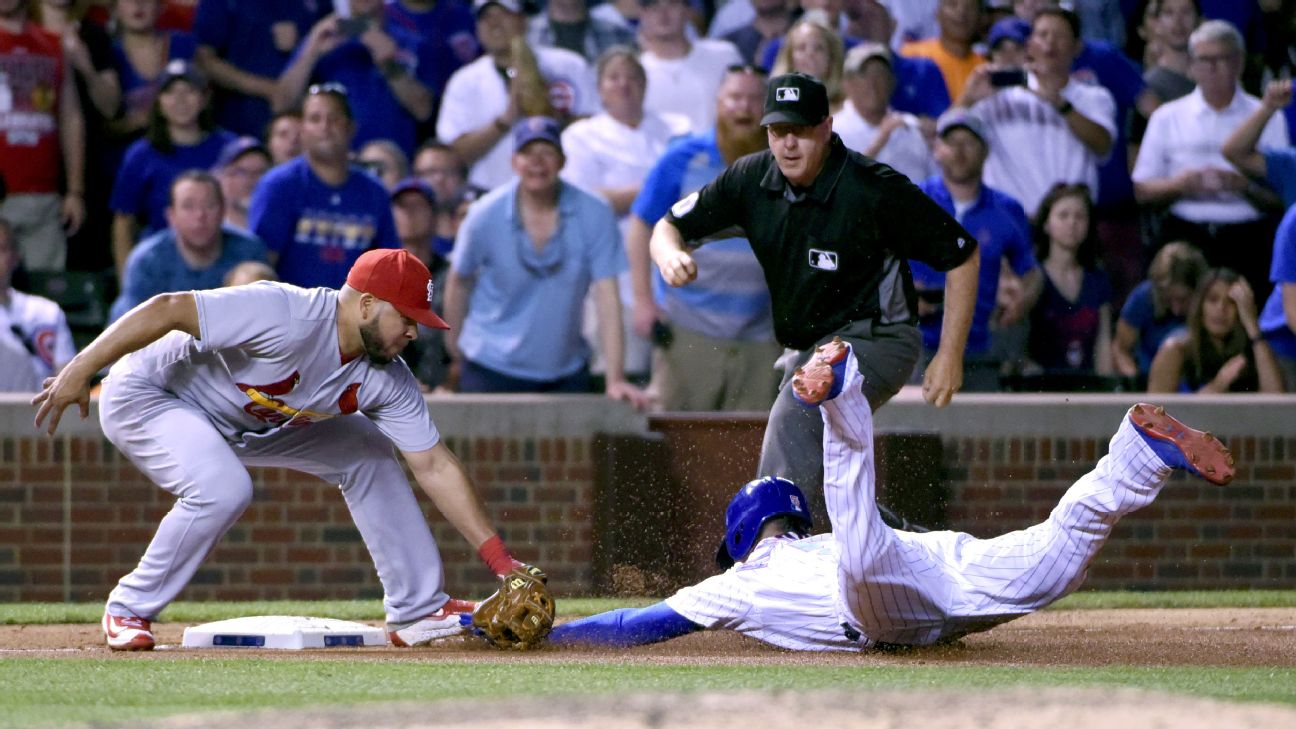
414 184
536 128
236 148
1014 29
795 98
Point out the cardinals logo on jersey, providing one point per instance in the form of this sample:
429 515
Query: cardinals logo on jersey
268 407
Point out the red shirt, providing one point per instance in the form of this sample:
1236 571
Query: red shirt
31 77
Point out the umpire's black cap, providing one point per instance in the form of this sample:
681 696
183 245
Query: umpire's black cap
795 98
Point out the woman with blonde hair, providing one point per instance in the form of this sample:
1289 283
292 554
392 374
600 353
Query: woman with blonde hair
1157 308
814 48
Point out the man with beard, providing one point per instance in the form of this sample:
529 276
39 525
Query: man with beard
207 383
714 338
832 230
317 213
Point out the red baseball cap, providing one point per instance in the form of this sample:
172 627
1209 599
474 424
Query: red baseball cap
400 279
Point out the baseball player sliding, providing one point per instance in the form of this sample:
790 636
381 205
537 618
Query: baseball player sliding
865 585
207 383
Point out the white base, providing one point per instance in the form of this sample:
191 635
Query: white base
283 632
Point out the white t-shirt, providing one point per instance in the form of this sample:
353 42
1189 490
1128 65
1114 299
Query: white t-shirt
915 20
906 150
786 594
688 85
1031 146
268 358
35 340
1188 134
476 94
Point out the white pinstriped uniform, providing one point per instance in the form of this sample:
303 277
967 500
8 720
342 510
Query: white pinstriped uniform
907 588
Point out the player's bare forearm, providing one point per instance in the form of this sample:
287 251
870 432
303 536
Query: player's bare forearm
443 478
140 327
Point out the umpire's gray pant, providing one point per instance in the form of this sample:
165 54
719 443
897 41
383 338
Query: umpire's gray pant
793 446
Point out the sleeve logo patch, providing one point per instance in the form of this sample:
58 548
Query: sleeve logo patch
787 93
685 206
823 260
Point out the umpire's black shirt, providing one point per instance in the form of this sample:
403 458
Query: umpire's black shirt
834 253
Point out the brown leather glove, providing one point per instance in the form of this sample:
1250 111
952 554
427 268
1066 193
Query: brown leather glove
520 614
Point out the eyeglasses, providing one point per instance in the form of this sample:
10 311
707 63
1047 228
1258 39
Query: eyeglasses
1215 61
332 87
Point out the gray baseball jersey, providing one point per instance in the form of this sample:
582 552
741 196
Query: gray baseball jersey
265 385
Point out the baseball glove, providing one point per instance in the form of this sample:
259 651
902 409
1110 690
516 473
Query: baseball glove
520 614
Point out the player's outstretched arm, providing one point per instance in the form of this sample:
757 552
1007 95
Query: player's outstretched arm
945 373
139 328
624 628
442 477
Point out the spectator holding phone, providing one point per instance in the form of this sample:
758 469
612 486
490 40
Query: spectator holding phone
387 70
1050 129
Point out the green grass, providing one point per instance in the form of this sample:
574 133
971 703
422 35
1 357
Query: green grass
47 613
42 692
101 690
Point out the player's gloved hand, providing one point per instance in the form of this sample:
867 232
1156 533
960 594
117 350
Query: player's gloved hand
520 614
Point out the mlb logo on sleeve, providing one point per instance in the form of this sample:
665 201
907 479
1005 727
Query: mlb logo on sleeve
787 93
823 260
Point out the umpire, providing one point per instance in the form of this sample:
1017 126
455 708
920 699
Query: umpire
834 232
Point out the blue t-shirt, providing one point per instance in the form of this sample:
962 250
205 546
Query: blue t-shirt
1064 332
920 86
450 31
242 33
319 230
138 92
1101 63
1273 322
378 113
1001 230
1280 169
525 312
155 266
1140 313
729 299
143 184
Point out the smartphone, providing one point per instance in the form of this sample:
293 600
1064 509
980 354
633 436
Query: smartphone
352 27
1005 77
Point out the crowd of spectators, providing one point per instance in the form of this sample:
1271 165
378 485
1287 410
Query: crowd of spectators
1127 167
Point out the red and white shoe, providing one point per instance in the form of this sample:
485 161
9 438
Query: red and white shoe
454 618
820 378
1182 447
128 634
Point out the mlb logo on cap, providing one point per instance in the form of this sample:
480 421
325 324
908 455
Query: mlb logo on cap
795 98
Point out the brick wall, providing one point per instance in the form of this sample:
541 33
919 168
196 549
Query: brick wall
74 516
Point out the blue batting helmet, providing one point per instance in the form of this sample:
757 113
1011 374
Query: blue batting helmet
756 503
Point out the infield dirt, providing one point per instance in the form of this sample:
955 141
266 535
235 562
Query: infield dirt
1255 637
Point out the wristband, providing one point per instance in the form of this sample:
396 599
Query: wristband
496 556
1065 108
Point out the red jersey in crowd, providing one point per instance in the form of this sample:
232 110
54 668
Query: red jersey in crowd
31 77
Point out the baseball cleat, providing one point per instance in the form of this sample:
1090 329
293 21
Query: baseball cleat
1179 446
128 634
454 618
820 378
